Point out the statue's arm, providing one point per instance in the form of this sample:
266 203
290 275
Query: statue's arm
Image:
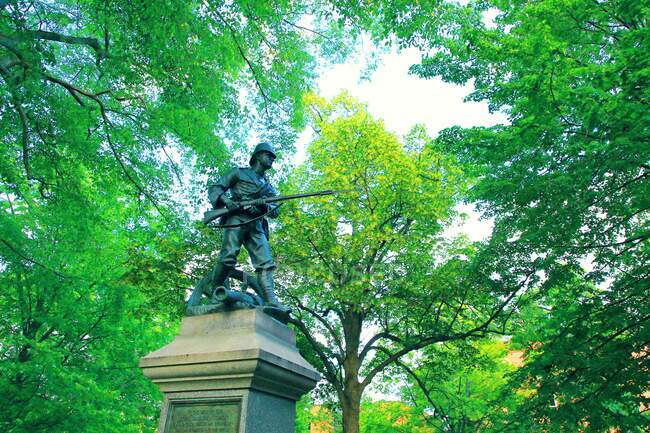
217 190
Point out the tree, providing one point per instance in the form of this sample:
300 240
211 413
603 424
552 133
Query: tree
583 362
106 109
392 417
369 274
461 387
566 182
74 320
311 418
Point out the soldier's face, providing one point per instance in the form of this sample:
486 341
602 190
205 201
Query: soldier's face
266 159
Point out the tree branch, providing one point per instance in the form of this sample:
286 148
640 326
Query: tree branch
635 240
322 35
329 368
32 261
172 164
444 417
4 71
109 140
75 90
15 99
8 62
621 331
458 310
106 124
25 136
325 323
369 345
240 49
10 44
608 193
479 330
325 262
73 40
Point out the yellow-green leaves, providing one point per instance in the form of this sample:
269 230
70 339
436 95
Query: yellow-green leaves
399 196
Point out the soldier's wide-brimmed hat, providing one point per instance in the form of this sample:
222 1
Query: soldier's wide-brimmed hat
262 147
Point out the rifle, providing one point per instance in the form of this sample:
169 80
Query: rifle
211 215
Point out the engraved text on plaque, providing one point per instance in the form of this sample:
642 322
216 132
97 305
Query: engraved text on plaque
203 417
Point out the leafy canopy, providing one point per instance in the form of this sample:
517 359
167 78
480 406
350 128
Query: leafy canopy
567 184
110 113
370 274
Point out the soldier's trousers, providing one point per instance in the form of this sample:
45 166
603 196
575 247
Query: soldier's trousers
252 237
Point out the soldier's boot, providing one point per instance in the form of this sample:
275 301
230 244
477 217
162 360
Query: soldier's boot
267 286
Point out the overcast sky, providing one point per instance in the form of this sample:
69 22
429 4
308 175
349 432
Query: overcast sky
402 100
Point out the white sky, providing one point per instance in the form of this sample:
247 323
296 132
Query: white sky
401 101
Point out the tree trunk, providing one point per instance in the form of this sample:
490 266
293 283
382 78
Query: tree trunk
352 390
351 405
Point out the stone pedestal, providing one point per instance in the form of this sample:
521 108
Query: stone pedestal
230 372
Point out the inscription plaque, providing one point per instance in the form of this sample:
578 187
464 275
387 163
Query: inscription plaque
203 417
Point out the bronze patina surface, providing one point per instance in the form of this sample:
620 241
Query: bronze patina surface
247 227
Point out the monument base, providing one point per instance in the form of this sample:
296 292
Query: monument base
230 372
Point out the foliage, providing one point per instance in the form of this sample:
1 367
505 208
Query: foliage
462 386
303 414
392 417
111 113
311 418
369 273
590 367
74 323
567 184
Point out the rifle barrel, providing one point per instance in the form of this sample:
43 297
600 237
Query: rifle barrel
305 194
213 214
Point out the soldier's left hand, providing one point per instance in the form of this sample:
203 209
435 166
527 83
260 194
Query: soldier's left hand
258 202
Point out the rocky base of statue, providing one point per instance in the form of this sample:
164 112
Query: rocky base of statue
224 299
230 372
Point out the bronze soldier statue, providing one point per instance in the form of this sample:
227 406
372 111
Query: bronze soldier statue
245 226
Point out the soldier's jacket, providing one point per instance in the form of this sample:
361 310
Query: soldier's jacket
243 184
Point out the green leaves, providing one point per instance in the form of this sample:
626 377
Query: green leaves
110 113
567 184
369 273
460 387
396 195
